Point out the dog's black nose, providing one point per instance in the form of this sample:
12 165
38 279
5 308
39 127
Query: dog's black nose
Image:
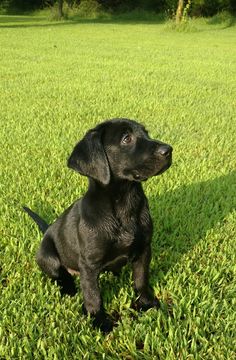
165 150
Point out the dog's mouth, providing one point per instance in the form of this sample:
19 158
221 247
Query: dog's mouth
144 174
138 177
164 168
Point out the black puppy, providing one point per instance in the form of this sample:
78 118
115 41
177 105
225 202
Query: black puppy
110 224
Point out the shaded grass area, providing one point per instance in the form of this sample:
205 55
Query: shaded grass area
57 82
47 17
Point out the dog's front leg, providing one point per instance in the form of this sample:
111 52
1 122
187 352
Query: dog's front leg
92 299
146 299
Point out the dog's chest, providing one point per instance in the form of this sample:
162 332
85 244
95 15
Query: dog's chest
122 233
127 227
123 243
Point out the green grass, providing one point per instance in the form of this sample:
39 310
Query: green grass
57 81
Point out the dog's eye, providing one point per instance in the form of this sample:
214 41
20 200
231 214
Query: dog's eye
126 139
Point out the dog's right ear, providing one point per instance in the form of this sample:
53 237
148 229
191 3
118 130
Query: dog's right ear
89 158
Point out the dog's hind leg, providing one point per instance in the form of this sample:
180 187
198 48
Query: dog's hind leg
48 260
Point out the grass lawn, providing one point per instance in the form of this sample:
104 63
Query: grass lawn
57 81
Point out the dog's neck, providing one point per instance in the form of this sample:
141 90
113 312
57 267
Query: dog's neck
115 189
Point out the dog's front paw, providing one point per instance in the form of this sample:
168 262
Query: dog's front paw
143 303
102 321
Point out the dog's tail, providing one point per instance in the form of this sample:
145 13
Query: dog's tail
43 226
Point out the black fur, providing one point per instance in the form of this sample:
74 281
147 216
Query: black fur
110 225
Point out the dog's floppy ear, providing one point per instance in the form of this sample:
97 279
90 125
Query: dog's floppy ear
89 157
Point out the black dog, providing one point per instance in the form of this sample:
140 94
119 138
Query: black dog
110 224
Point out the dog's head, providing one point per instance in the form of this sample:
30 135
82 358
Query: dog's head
120 149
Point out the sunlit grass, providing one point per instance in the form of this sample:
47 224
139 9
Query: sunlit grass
57 81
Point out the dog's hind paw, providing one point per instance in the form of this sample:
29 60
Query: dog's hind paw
103 322
145 304
70 291
68 288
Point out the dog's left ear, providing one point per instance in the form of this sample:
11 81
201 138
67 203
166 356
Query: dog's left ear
89 158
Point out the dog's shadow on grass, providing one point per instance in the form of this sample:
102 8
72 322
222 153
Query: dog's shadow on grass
184 216
181 218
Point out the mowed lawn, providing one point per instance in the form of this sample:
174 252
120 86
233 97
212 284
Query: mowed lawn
57 80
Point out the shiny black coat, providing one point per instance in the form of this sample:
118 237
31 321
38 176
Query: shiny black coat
110 225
